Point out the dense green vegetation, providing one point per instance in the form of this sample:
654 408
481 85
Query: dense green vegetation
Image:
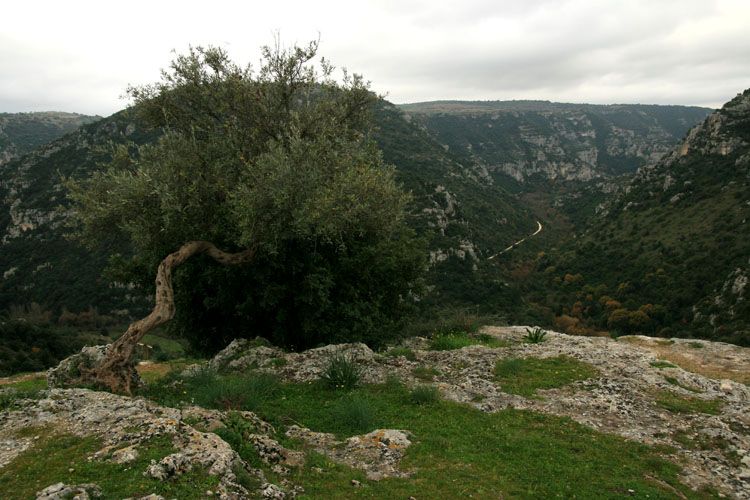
670 256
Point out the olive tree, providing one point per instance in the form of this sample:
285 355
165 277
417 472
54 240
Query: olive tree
247 162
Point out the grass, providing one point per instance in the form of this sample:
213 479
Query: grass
678 404
402 351
524 376
424 395
457 340
459 452
27 473
660 363
246 391
699 441
24 388
425 373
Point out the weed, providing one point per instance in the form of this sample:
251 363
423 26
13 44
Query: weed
426 373
535 335
696 345
402 351
660 363
525 376
279 362
342 372
424 395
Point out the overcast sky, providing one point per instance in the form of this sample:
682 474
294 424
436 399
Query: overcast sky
80 56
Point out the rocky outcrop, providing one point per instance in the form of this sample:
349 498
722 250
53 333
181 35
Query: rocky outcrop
620 399
378 453
124 424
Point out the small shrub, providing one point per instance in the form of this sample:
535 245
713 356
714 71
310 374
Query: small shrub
342 372
424 395
696 345
426 373
279 362
402 351
535 335
354 415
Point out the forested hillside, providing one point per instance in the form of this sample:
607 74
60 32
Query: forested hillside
671 254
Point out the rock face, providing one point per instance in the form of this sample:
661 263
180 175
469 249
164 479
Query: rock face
687 218
528 140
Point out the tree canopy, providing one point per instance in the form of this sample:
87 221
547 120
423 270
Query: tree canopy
277 163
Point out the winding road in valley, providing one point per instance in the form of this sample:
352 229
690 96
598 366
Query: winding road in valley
514 245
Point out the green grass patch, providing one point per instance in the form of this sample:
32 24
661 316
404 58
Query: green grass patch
459 452
696 345
52 457
457 340
424 395
402 351
524 376
245 391
425 373
699 441
660 363
679 404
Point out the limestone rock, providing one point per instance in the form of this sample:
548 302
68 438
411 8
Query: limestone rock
61 491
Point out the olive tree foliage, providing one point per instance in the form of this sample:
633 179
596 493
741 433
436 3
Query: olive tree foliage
250 164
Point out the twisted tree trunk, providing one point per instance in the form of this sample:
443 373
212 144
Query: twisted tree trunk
117 368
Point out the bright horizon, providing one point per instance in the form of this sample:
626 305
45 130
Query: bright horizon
79 56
